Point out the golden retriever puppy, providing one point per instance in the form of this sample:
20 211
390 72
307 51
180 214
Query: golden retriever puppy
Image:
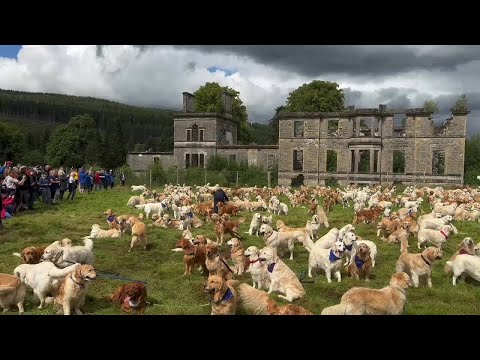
389 300
417 265
290 309
467 246
215 264
73 289
12 292
361 266
223 295
238 256
31 254
139 233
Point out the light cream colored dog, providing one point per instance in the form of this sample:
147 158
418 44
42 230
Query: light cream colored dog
434 237
329 260
251 299
257 268
417 265
97 233
255 225
282 278
464 265
364 301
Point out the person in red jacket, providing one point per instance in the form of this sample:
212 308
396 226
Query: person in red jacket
98 180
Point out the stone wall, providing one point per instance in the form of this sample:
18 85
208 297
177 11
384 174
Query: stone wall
142 161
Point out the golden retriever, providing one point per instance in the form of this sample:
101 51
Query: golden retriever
12 292
361 266
389 300
193 255
98 233
215 264
237 255
417 265
223 295
290 309
139 233
31 254
467 246
73 289
251 299
132 297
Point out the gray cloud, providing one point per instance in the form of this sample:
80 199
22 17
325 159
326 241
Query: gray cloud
372 60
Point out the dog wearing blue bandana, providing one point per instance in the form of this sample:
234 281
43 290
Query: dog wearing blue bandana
223 296
361 266
329 260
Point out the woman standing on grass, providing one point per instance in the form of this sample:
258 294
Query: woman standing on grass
72 184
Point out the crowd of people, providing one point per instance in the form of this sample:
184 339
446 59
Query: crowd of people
23 185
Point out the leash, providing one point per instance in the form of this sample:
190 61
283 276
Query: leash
110 275
228 267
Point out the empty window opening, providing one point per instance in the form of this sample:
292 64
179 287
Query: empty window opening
194 160
333 128
202 160
201 134
438 162
194 132
298 160
376 168
187 161
331 161
352 157
399 161
156 160
369 127
189 135
233 157
298 128
364 161
399 123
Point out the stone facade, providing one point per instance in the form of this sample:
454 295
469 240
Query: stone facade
365 141
217 135
141 161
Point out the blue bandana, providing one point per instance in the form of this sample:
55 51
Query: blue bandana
359 262
349 247
270 267
228 295
333 257
163 205
190 215
111 218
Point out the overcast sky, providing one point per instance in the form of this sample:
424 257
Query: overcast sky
155 76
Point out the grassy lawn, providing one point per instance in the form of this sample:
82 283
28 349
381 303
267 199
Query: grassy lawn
162 270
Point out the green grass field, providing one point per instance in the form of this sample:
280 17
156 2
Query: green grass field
170 293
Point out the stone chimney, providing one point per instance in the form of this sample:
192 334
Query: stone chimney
188 102
382 107
227 102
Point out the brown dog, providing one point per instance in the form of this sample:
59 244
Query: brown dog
132 297
362 264
223 295
31 254
193 255
237 255
389 300
215 264
228 209
289 309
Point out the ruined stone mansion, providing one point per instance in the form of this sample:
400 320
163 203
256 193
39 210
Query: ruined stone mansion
361 146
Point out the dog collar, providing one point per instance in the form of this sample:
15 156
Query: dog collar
446 236
463 251
359 262
228 295
333 257
428 262
254 261
190 215
270 267
76 282
111 218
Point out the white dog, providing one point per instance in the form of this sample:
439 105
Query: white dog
464 265
139 187
44 278
282 278
255 224
257 268
279 208
435 237
97 233
351 242
330 260
66 255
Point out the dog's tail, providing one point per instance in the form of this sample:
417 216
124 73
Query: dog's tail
448 266
88 243
339 309
326 224
17 255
